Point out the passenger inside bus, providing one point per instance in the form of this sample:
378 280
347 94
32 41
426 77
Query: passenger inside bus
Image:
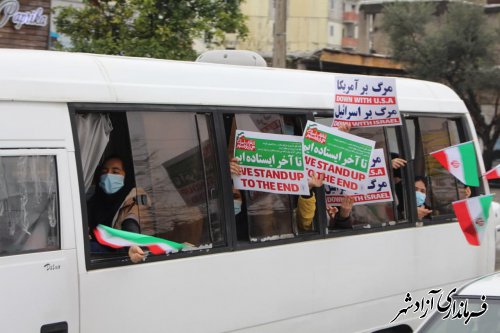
168 155
306 204
346 220
306 207
427 135
341 218
423 209
378 214
304 213
115 204
266 216
239 215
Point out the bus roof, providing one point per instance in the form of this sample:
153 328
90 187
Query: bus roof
52 76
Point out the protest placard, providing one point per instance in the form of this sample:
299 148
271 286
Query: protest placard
270 163
376 188
341 157
365 101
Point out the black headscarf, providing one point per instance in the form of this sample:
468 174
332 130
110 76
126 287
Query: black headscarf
102 207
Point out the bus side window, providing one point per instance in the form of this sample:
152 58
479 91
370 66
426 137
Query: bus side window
269 216
29 213
172 160
382 213
428 134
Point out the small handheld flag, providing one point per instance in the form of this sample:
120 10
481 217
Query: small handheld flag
472 215
116 238
493 173
460 160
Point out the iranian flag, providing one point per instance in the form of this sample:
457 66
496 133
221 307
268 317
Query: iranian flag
116 238
472 215
460 161
493 173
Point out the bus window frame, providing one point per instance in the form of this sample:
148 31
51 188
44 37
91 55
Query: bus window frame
221 150
402 136
320 213
119 261
220 142
408 222
464 136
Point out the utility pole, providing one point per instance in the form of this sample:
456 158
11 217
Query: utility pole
279 38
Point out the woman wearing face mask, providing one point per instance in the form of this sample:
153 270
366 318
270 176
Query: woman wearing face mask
116 204
421 193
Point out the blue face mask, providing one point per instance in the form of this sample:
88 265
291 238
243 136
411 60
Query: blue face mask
111 183
237 207
420 198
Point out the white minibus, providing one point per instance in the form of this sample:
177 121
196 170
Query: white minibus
171 123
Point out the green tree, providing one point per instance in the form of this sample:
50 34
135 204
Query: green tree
149 28
452 44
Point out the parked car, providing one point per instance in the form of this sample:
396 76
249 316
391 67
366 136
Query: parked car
476 308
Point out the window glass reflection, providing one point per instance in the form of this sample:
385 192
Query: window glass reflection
29 218
436 134
170 151
269 216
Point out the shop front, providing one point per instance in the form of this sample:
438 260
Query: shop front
25 24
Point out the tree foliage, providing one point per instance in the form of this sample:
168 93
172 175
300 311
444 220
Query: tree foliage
151 28
455 45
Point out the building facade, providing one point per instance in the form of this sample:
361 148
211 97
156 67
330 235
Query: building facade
372 39
311 25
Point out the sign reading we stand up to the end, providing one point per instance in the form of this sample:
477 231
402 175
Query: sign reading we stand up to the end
341 157
270 163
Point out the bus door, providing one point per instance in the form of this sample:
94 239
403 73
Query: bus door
38 273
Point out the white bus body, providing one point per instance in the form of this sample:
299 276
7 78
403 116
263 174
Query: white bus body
328 284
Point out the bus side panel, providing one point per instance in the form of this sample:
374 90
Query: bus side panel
38 269
238 290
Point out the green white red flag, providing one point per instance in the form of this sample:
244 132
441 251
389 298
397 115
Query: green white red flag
472 215
460 160
493 173
116 238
